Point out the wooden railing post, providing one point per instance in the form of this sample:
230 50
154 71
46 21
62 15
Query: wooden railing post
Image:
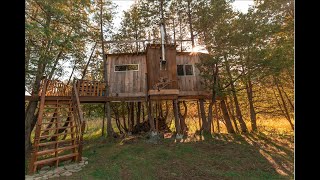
32 167
83 125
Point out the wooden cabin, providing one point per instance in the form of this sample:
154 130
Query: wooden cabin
142 74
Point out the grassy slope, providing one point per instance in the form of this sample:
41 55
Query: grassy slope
252 156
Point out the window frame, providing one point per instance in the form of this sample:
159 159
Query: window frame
114 69
184 69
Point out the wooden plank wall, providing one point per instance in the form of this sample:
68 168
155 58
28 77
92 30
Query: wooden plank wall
129 83
153 65
189 82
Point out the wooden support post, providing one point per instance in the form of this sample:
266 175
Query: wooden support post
150 115
217 116
56 146
83 125
157 117
104 117
176 116
149 105
199 116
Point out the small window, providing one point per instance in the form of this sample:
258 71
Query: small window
189 69
180 70
185 70
126 67
163 65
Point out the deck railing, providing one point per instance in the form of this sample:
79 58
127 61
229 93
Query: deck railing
84 88
90 88
56 88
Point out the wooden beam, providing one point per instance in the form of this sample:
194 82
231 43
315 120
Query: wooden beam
131 41
101 99
163 92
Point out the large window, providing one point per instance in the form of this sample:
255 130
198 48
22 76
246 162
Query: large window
185 70
126 67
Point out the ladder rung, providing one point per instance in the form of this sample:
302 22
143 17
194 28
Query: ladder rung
54 142
57 128
60 134
64 157
39 153
55 122
57 117
61 107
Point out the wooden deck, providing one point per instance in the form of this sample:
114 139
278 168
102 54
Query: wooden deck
94 92
102 99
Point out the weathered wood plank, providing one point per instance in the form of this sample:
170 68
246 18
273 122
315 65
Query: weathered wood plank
163 92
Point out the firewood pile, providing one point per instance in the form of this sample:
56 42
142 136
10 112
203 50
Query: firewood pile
145 126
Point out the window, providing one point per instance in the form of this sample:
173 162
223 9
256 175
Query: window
185 70
126 67
180 70
189 69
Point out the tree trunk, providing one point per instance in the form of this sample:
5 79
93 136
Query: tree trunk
117 118
150 117
199 116
142 107
180 22
231 113
30 118
74 67
226 116
251 106
55 65
85 69
238 110
174 32
182 118
217 116
176 116
209 119
138 112
109 126
103 120
203 117
28 121
27 57
163 21
287 97
284 104
131 124
124 118
190 23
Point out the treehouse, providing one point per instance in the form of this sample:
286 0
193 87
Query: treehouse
154 77
138 75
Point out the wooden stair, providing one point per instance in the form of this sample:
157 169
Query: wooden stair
58 133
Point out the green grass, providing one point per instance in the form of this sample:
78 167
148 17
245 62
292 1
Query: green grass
264 155
226 157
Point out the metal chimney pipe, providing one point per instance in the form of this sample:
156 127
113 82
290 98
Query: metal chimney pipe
162 41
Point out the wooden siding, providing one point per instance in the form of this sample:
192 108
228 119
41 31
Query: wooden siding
127 82
190 83
153 65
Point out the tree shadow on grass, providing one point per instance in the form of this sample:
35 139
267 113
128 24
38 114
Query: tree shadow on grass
222 156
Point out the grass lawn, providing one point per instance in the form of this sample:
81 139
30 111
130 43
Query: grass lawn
250 156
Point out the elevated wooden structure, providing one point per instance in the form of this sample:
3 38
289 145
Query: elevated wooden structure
142 77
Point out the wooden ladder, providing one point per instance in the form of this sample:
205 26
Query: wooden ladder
57 134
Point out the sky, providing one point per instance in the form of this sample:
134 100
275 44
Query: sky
241 5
